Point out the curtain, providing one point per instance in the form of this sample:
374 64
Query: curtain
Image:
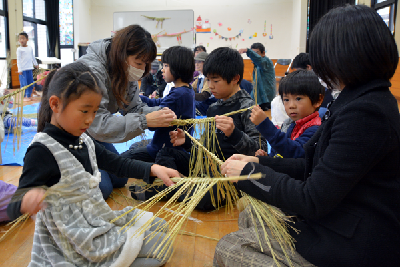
53 31
318 8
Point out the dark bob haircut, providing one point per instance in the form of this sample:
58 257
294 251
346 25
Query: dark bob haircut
181 62
301 61
352 45
224 62
302 82
258 46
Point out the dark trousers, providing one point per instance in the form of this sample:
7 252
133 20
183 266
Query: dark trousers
140 153
179 160
110 181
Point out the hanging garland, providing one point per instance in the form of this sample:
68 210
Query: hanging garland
178 36
227 38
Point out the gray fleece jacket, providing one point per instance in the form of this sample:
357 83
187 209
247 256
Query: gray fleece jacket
107 126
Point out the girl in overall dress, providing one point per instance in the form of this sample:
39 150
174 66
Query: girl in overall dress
73 221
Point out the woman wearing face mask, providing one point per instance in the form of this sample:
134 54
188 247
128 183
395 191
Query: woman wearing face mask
118 63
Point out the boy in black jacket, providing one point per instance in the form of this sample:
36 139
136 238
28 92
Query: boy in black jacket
236 134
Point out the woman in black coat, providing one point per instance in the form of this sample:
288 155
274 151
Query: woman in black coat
347 189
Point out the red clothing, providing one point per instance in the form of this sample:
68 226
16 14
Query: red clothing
304 123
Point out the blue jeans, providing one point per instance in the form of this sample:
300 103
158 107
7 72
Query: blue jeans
110 181
24 79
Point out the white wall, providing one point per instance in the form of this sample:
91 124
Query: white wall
299 27
285 15
82 23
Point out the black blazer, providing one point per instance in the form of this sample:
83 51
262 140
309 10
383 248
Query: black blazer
347 189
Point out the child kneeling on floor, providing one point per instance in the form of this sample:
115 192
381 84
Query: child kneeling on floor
302 95
72 219
235 134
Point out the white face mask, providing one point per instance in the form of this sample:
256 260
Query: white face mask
134 74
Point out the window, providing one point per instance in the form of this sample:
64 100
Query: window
66 24
4 41
34 15
387 10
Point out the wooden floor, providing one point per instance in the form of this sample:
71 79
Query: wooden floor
190 251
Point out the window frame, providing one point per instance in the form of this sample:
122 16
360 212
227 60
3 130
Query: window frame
4 13
35 22
377 6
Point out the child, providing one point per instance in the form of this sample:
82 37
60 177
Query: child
265 75
236 134
203 95
73 221
25 59
347 188
302 94
302 61
178 67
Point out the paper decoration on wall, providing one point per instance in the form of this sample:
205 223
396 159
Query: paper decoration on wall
226 38
236 45
265 29
242 39
203 27
255 34
207 44
156 19
241 31
214 31
220 24
178 36
271 36
155 38
229 29
249 21
250 37
211 38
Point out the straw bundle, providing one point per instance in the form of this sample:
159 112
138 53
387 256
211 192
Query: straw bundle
182 210
19 99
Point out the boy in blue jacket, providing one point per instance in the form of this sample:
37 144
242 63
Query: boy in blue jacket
178 67
302 95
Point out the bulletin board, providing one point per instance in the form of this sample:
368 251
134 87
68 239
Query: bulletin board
168 28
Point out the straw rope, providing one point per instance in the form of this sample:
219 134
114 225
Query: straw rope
179 122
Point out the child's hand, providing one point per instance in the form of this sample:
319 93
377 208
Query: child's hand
261 152
32 202
242 50
257 115
160 118
225 124
177 137
36 66
164 174
153 95
243 158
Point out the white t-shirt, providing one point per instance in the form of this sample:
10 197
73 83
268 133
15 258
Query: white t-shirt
168 88
278 112
25 58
